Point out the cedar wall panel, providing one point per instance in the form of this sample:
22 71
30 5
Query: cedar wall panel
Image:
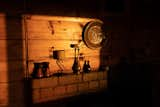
12 60
10 27
15 46
44 32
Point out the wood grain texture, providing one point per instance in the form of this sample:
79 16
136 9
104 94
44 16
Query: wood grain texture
11 28
50 28
44 32
12 70
41 48
2 27
58 18
12 66
12 50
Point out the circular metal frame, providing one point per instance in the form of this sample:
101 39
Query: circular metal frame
93 35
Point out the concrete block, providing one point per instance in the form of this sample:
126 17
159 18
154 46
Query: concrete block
60 90
83 87
36 83
90 76
70 79
36 95
79 78
48 82
45 99
46 92
93 85
71 89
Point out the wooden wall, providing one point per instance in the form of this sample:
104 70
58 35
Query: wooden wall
45 32
12 61
28 39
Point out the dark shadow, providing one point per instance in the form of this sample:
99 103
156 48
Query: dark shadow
19 90
98 99
71 8
131 81
115 6
127 82
14 47
28 100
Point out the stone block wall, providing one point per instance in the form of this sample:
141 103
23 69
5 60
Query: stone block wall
54 88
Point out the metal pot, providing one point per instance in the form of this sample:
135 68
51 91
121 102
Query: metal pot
59 54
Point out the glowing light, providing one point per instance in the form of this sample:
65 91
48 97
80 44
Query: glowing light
59 18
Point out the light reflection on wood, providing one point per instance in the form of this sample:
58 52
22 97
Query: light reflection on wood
67 30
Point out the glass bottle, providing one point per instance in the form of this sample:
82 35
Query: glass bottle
85 66
45 69
76 65
88 66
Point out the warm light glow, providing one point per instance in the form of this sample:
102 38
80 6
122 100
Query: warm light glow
59 18
59 32
2 26
3 62
3 71
4 94
3 45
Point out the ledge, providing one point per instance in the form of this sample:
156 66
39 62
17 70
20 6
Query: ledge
67 79
57 87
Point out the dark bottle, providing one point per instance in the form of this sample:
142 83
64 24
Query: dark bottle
76 66
86 67
45 69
